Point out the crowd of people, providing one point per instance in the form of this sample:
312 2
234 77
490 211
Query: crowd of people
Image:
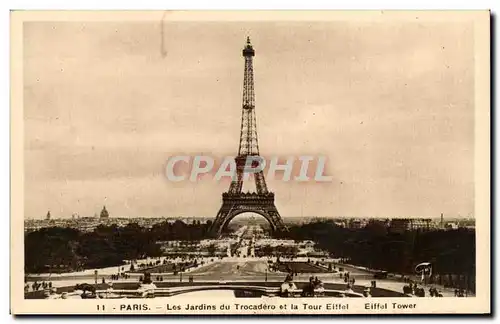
288 287
117 276
313 288
38 286
412 288
346 276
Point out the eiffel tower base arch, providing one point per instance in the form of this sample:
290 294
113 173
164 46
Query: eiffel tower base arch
235 204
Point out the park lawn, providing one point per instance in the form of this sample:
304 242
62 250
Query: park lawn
300 267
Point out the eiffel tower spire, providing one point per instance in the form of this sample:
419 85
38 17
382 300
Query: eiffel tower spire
249 145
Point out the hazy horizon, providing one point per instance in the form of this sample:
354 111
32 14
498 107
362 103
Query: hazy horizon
285 217
390 104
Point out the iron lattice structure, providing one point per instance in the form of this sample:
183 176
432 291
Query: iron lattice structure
235 202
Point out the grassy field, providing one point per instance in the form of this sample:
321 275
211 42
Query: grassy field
164 268
300 267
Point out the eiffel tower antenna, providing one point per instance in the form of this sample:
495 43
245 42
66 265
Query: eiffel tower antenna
235 202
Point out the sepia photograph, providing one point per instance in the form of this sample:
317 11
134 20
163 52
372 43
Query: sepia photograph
280 162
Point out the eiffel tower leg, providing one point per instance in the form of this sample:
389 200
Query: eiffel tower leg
276 218
216 228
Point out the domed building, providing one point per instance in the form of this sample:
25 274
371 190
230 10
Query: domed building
104 213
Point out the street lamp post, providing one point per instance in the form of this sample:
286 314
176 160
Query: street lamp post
266 274
425 270
95 277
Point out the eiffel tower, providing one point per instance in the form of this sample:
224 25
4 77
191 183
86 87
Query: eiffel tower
235 202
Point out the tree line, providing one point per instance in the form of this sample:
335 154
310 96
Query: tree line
58 249
451 252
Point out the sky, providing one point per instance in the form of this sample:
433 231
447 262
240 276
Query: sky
391 106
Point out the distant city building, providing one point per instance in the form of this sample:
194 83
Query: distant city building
104 213
451 226
400 225
381 222
357 223
420 224
88 224
340 223
380 226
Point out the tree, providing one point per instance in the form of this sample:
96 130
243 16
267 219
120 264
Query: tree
147 278
211 250
451 252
